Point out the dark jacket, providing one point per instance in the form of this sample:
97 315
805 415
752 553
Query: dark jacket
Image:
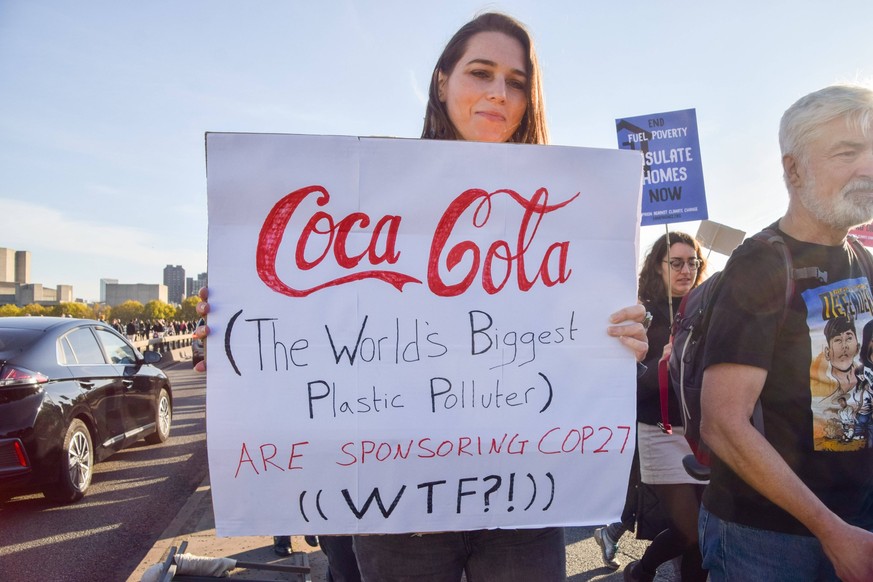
648 391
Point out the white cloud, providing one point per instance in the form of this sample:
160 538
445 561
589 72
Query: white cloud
19 220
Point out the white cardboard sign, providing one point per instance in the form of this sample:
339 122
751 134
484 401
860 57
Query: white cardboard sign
410 335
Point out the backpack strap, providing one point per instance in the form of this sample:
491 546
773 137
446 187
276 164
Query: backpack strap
810 273
664 364
774 239
663 387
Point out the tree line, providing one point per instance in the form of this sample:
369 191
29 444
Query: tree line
127 311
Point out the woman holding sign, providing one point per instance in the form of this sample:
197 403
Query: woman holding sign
485 87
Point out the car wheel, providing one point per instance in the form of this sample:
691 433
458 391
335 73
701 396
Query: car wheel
77 464
163 419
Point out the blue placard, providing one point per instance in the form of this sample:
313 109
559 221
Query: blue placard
673 188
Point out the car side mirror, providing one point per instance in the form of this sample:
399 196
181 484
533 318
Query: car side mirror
151 357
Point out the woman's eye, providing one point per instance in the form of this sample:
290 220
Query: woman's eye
480 74
516 84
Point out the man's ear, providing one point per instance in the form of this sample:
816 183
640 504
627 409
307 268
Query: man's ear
792 170
441 86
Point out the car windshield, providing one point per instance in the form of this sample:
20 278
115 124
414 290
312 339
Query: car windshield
14 341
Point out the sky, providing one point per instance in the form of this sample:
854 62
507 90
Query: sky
104 103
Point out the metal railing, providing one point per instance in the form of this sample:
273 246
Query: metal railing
164 344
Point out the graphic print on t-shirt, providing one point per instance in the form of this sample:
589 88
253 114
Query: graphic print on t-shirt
840 320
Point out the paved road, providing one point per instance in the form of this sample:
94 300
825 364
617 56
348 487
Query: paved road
134 495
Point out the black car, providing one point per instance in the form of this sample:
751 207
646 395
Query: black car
72 392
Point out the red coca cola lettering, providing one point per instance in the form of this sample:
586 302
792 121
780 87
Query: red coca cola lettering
323 229
336 233
534 210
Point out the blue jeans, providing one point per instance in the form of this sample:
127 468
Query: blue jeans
518 555
739 553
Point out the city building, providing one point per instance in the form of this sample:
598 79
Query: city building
16 287
7 266
103 283
36 293
174 279
14 266
118 293
195 284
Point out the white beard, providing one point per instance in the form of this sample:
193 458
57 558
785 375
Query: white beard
853 205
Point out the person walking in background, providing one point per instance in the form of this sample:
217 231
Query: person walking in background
670 271
131 330
788 503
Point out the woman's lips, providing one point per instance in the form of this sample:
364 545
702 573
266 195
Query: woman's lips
491 115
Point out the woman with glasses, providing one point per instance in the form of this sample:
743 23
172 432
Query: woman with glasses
667 276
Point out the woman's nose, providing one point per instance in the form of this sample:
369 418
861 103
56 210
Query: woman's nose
497 89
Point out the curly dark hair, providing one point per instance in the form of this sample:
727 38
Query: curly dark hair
532 128
651 282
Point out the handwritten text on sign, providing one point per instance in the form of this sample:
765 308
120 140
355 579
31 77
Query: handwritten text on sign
410 335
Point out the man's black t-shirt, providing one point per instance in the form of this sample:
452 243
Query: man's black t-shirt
810 381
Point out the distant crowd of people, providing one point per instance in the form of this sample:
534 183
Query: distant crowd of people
142 329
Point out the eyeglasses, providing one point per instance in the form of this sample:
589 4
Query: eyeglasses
677 264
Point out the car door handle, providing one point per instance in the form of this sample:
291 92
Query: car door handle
86 385
127 383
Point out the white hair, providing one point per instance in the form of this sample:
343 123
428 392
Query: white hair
802 121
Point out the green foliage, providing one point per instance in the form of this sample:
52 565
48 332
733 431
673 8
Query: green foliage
128 311
156 309
102 312
188 310
10 310
78 310
35 309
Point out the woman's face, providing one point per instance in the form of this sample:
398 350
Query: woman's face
681 281
486 93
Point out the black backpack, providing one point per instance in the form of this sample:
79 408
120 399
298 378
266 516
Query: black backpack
684 372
